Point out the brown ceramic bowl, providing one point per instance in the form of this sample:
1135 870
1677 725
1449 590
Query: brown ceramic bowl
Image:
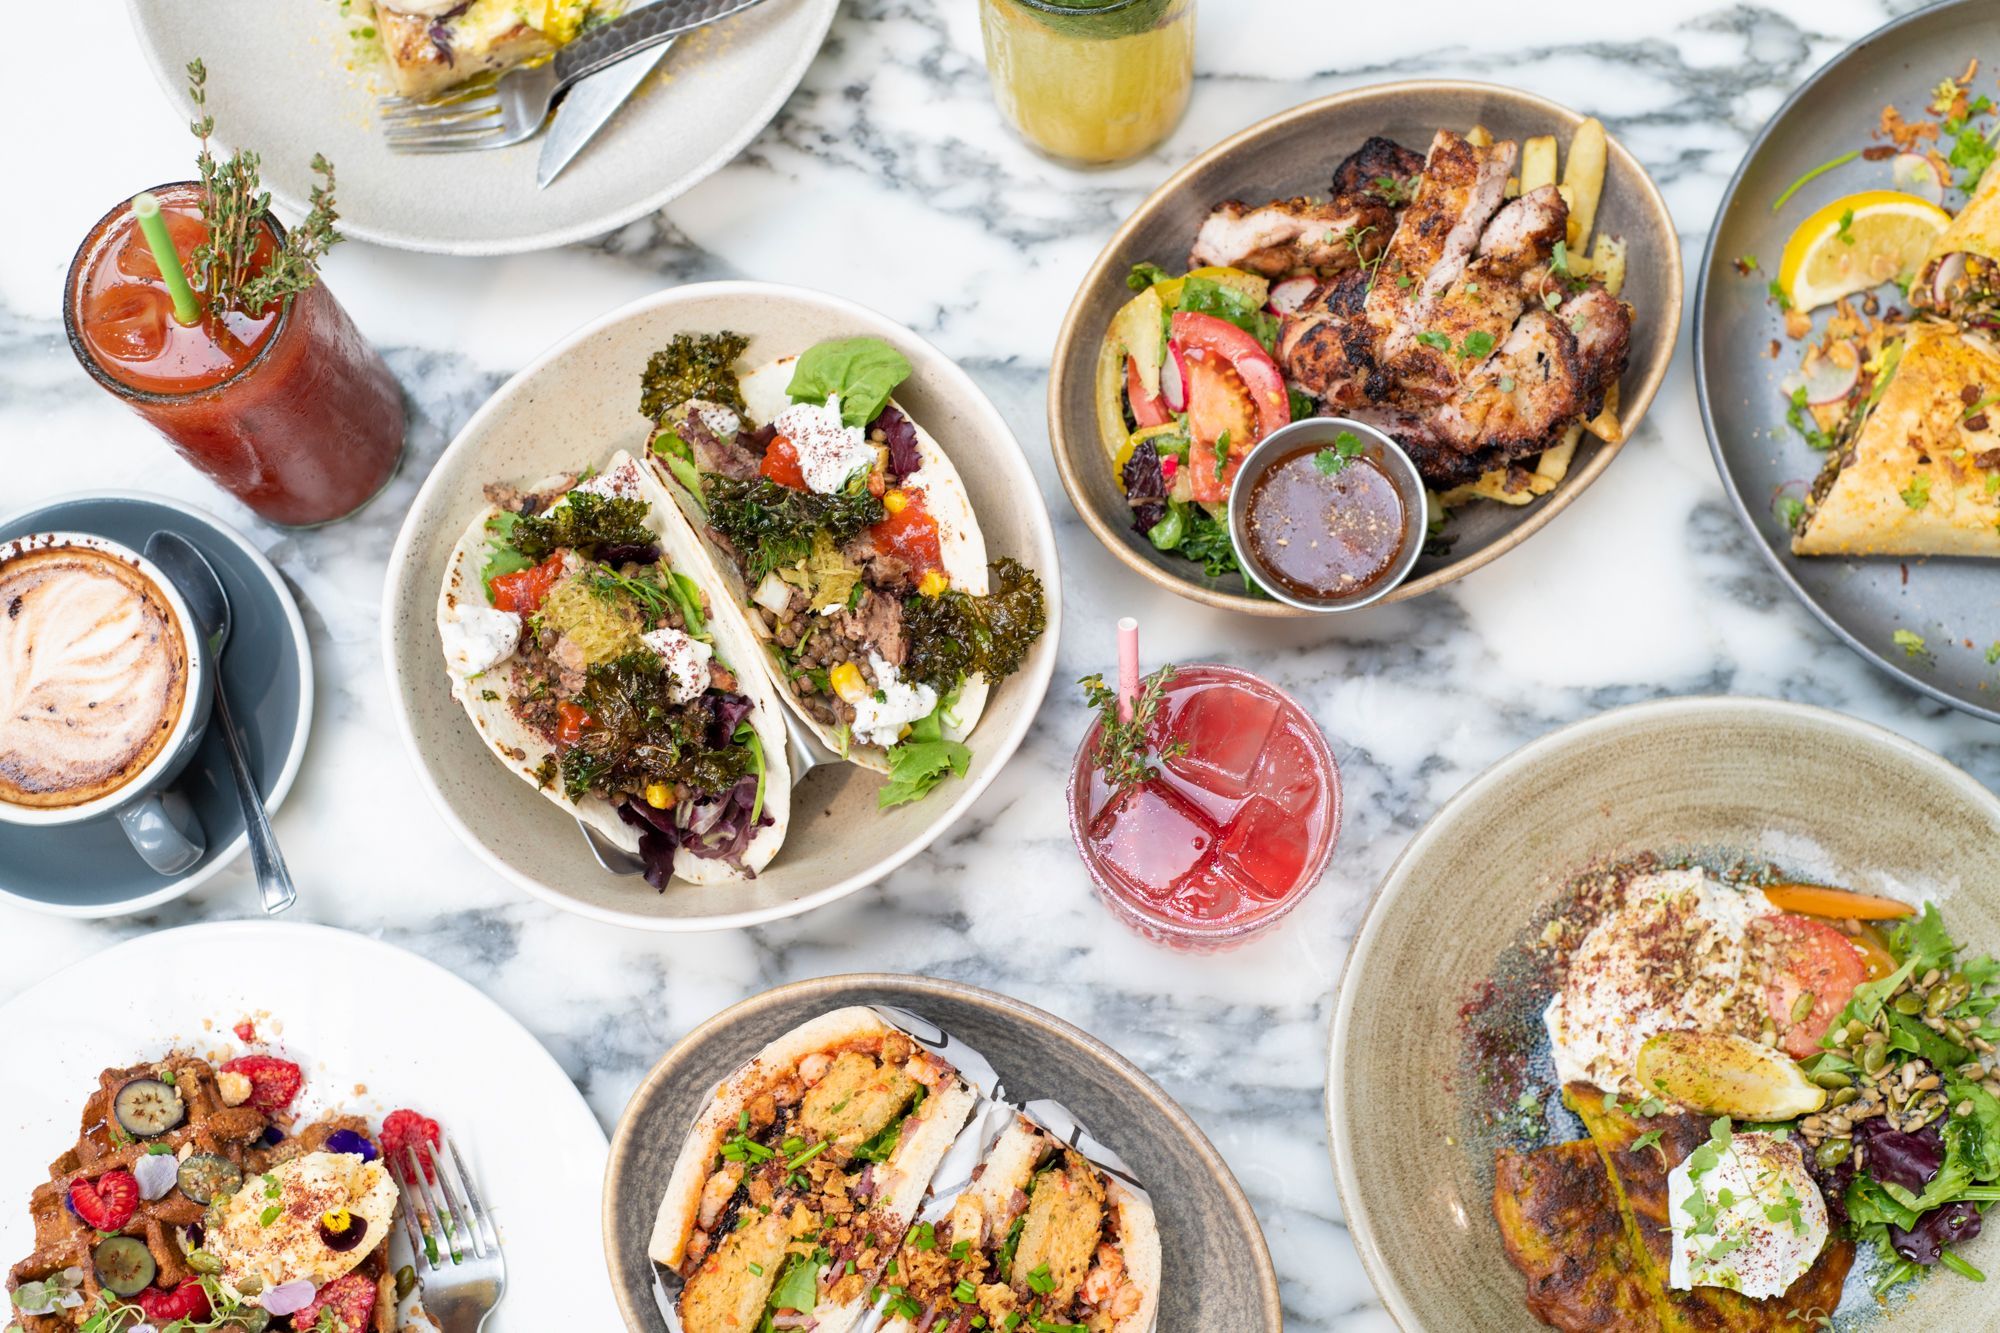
1294 153
1820 795
1220 1274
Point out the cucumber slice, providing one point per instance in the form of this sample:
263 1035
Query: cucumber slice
124 1265
146 1107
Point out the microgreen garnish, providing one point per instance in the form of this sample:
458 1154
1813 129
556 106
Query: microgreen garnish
1333 460
1846 232
1814 174
1918 493
1913 645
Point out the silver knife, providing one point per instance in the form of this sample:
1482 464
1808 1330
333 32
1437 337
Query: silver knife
589 106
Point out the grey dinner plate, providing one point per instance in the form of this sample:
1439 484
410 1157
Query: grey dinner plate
1953 603
1217 1270
89 869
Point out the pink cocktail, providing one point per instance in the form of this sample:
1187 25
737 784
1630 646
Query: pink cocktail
1234 827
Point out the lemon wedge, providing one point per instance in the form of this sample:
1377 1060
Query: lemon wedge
1858 242
1718 1073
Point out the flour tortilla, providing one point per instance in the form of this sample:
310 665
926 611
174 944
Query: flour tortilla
1009 1165
735 648
1918 431
960 543
900 1182
1975 231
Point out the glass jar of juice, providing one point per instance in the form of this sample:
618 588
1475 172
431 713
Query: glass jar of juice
1090 81
1232 829
288 409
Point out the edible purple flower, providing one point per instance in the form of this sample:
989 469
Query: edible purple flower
156 1173
288 1297
347 1141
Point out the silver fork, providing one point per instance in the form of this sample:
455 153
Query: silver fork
513 107
452 1240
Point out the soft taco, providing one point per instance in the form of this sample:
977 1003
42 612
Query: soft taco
1960 277
1922 475
844 531
1041 1238
801 1174
584 632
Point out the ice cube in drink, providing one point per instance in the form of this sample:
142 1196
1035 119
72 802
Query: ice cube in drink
1287 773
1223 730
131 321
1153 837
1209 892
1268 846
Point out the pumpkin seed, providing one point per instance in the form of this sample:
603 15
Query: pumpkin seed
1909 1002
1802 1006
1834 1151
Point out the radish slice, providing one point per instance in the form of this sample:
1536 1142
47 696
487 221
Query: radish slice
1949 270
1290 296
1173 378
1829 378
1913 173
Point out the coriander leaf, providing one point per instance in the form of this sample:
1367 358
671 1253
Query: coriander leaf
862 372
1432 338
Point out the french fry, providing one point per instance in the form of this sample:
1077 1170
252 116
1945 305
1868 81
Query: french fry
1538 162
1513 187
1490 486
1583 174
1607 261
1479 137
1605 425
1554 463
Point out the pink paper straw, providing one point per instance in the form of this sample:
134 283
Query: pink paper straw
1128 667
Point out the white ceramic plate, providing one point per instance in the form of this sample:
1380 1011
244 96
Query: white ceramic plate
353 1011
287 80
576 404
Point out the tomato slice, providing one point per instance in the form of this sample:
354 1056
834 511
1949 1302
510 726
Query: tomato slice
1808 956
1148 409
522 591
1233 385
910 534
573 720
781 464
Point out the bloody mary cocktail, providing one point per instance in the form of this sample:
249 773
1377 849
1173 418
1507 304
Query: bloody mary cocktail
1231 828
287 408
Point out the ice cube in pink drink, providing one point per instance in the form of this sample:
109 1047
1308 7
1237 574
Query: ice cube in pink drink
1223 728
129 321
1288 771
1210 892
1152 837
1267 846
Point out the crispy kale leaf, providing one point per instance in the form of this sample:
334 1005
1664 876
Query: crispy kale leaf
693 366
772 526
955 634
583 523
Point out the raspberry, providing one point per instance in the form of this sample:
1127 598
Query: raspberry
246 1031
106 1203
351 1298
162 1307
273 1082
407 1129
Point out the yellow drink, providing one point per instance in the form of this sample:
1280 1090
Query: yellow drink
1090 81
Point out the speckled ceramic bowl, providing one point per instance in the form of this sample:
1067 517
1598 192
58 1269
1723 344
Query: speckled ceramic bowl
574 406
1218 1270
1295 152
1821 795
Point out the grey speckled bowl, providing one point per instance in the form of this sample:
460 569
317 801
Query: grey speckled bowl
574 406
1218 1270
1951 602
1821 795
1295 152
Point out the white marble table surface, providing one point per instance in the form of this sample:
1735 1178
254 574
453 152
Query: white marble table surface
889 179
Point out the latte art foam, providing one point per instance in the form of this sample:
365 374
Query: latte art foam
93 675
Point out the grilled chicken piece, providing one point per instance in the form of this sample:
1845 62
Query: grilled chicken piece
854 1101
1293 236
1381 169
1064 1221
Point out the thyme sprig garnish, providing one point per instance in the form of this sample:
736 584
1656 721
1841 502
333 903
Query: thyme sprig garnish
234 204
1122 752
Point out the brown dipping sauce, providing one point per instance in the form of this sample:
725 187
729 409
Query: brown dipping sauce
1320 535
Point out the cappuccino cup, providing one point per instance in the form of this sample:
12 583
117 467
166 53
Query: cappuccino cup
105 688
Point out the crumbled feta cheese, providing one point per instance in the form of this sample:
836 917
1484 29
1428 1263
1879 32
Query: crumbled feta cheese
721 420
1753 1222
830 451
879 718
479 638
624 482
686 660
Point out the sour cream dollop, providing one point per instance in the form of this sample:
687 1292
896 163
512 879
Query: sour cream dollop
1671 957
830 451
479 638
686 660
880 721
1757 1222
624 482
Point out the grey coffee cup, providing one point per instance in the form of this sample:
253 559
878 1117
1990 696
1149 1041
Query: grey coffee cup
159 821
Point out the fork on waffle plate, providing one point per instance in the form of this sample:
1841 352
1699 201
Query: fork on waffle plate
452 1238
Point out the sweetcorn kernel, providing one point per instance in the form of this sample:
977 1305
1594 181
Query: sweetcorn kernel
659 795
895 502
934 582
847 682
